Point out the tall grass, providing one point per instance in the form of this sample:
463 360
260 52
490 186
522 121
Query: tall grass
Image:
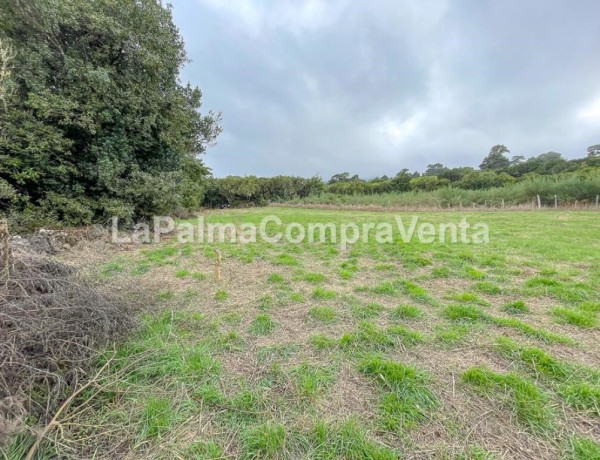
567 189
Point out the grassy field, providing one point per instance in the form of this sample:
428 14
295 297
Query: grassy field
378 351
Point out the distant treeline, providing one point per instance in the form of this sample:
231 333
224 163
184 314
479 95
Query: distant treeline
516 181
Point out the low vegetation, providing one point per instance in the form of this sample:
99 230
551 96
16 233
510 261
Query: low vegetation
312 351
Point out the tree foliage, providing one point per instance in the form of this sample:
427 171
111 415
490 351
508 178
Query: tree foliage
95 121
496 159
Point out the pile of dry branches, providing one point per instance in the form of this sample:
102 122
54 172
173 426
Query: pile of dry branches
52 324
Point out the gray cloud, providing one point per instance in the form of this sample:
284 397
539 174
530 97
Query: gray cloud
319 87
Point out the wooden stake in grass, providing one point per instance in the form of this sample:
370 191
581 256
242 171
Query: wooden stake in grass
555 202
5 246
218 265
539 202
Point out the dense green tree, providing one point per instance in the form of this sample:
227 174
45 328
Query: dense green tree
401 181
341 177
544 164
436 169
496 159
475 180
94 115
593 151
427 183
455 174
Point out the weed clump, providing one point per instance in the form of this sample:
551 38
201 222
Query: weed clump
517 307
527 400
408 398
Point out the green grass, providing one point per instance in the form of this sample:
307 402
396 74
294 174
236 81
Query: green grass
441 272
323 342
518 307
182 273
347 440
275 278
111 268
405 335
286 259
386 288
580 318
323 314
487 287
530 404
311 380
578 385
323 294
211 373
165 295
367 336
583 449
407 398
297 297
406 312
536 360
157 417
263 441
403 287
385 267
369 310
262 325
277 352
465 313
221 295
451 334
534 332
415 292
266 302
472 313
474 274
590 307
564 291
582 396
160 256
476 453
468 297
199 276
207 450
347 270
231 318
314 278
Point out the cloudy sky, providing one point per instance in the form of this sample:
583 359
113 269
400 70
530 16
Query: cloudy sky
319 87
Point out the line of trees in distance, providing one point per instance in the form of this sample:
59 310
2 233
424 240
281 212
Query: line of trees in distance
497 169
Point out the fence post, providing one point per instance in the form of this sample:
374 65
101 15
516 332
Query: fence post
555 202
502 203
597 200
539 202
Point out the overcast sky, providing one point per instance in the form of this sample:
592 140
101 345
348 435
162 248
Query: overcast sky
319 87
